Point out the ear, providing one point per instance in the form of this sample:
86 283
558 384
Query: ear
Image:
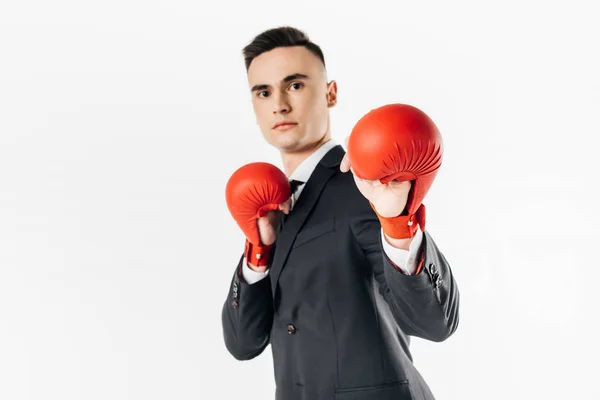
331 94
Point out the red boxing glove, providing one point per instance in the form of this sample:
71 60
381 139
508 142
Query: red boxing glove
398 141
252 191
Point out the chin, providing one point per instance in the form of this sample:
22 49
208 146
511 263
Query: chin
288 147
285 142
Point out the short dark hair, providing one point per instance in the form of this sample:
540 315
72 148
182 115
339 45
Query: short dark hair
284 36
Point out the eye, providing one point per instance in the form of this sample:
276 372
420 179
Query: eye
262 93
296 85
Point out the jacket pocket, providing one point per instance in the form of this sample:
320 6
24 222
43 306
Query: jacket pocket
313 232
389 391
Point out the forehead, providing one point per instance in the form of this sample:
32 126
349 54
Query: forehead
272 66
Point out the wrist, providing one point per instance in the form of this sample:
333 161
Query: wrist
403 244
256 268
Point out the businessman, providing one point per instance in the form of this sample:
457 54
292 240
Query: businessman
324 276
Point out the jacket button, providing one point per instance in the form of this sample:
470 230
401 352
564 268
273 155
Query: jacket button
433 269
291 329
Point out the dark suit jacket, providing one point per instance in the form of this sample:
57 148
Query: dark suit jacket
335 310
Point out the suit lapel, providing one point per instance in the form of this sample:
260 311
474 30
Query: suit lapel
305 204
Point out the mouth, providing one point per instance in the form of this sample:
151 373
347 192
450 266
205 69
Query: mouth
284 125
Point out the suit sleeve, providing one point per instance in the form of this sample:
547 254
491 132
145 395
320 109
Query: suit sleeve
406 260
247 316
426 304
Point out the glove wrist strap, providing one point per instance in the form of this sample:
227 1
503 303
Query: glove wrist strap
257 255
402 226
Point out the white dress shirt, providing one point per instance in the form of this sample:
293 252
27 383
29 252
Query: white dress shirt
405 260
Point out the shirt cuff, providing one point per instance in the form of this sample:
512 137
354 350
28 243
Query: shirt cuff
405 260
251 276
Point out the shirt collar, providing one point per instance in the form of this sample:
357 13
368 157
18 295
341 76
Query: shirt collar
306 167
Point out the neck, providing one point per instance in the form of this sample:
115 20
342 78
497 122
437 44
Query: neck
292 160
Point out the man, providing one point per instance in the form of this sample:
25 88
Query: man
337 299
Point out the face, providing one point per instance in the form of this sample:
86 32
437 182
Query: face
291 98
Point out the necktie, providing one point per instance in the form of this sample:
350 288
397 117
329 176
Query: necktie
293 188
294 185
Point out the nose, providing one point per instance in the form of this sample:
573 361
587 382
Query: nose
281 104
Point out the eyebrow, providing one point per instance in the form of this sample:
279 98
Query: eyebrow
284 80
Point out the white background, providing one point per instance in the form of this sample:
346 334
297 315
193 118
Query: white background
121 121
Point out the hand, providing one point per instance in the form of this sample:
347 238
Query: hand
388 199
252 191
267 229
268 224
